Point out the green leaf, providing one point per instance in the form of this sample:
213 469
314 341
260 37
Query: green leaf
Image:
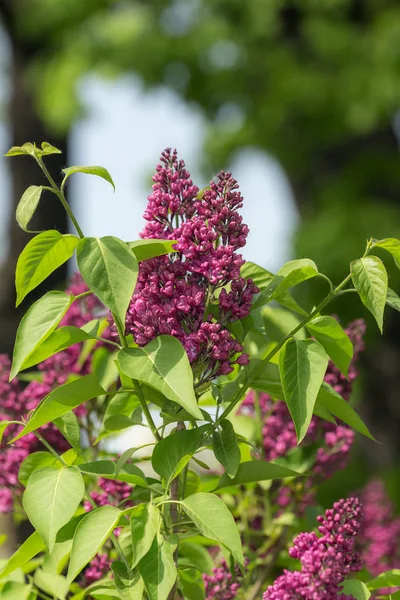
110 269
30 548
120 405
106 468
27 206
90 535
51 583
37 325
334 339
62 400
51 499
197 555
129 588
259 275
392 299
392 245
40 257
158 569
49 149
226 447
3 427
69 426
356 589
164 365
387 579
145 249
37 460
302 365
58 340
337 406
145 519
214 520
371 282
169 451
14 590
295 272
191 584
254 471
98 171
27 148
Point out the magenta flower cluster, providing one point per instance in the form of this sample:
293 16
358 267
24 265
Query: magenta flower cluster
326 559
379 539
17 401
176 294
221 584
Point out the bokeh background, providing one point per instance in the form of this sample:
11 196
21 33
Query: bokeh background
299 98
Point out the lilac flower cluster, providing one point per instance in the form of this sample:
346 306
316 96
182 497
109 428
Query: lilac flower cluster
17 401
279 435
99 567
111 492
221 585
325 559
380 530
174 293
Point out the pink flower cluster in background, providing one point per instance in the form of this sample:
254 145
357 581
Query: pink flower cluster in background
326 559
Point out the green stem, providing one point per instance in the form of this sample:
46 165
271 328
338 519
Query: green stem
275 350
146 411
60 194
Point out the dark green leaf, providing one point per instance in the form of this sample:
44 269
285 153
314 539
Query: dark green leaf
164 365
337 406
158 569
371 282
120 405
334 339
129 587
40 257
145 249
214 520
226 447
36 326
110 269
98 171
302 365
170 450
254 471
62 400
106 468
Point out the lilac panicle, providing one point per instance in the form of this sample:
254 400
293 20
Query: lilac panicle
221 585
173 292
326 559
379 538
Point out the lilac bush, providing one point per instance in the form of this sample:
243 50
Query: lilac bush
171 332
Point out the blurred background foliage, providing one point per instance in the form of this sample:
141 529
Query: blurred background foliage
315 83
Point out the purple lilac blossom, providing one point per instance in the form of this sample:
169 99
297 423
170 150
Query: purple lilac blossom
326 559
379 538
173 292
17 401
222 585
98 568
111 492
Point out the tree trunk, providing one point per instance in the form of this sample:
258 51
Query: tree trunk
26 126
